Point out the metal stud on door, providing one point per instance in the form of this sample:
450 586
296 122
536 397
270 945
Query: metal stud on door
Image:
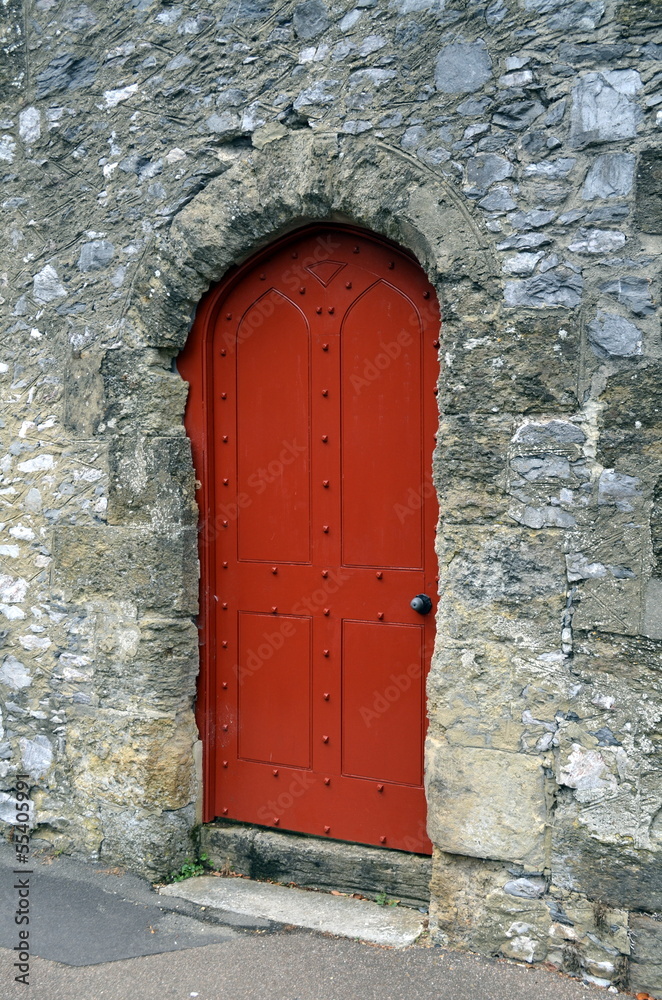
312 417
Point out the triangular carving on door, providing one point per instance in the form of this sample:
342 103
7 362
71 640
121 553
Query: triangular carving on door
325 271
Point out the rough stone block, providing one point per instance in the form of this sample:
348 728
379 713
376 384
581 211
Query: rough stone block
648 213
526 368
151 481
646 964
489 577
469 465
156 571
141 393
145 663
490 804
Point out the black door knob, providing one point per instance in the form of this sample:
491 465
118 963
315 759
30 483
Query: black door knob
422 604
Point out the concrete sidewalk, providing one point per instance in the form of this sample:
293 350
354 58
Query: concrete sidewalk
98 934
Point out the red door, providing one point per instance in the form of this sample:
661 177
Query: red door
312 415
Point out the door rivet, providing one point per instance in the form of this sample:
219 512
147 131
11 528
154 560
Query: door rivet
327 781
327 829
348 284
275 772
380 615
355 250
379 574
325 739
276 821
223 353
331 310
325 438
224 810
225 524
318 310
302 291
224 395
225 565
228 315
225 439
382 840
391 265
224 728
263 277
224 644
426 295
224 605
380 788
326 696
325 347
274 569
325 529
325 573
295 255
226 482
225 763
274 610
325 652
224 685
435 343
436 391
325 392
327 611
325 483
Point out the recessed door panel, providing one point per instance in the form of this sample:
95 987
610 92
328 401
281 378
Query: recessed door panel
382 443
274 689
382 680
273 421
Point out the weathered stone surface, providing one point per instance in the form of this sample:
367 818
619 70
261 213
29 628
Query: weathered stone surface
610 176
610 333
495 803
649 188
561 288
317 864
463 67
646 968
157 571
631 292
602 109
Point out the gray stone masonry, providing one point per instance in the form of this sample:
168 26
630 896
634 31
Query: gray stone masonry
514 147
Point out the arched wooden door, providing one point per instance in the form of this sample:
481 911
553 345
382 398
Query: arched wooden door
312 416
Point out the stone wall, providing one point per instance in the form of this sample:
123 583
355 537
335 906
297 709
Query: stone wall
513 147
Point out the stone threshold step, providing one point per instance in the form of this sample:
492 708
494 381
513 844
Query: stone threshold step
316 863
343 916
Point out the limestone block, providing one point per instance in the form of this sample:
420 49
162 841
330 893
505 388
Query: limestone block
146 761
489 577
152 843
151 481
157 571
525 369
646 965
593 852
469 465
472 909
486 803
602 109
141 393
148 663
649 191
